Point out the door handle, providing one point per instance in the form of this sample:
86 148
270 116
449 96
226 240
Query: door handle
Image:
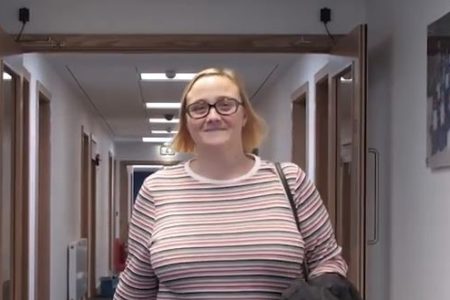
375 234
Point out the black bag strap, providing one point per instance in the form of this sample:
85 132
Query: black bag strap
287 189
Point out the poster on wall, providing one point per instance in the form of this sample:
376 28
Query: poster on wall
438 93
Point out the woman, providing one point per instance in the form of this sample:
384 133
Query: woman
219 226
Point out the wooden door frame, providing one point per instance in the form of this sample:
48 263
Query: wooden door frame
21 207
19 180
84 180
8 45
323 76
43 211
331 70
296 97
111 208
92 223
357 39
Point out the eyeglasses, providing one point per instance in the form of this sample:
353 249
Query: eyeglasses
223 106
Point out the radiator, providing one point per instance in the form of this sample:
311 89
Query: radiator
77 269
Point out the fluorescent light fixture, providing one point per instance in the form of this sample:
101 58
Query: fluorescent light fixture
167 76
167 105
6 76
164 132
162 120
156 139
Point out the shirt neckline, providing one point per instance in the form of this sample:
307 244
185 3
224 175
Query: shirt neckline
251 172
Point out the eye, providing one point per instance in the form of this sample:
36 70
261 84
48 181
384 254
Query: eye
226 104
198 106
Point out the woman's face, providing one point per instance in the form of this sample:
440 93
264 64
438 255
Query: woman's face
215 129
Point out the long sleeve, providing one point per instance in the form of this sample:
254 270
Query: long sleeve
323 254
138 280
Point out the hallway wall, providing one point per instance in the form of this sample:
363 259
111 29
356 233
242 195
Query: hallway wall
69 111
414 198
275 106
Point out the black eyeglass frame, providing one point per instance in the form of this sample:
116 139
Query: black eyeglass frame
236 102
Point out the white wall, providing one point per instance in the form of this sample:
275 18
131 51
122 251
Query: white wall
180 16
275 106
417 198
420 198
69 111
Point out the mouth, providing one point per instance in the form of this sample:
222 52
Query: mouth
214 129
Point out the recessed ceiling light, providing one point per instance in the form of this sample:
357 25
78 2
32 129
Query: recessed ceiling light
162 120
167 76
164 132
156 139
6 76
168 105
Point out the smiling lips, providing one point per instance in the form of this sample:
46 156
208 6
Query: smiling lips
214 129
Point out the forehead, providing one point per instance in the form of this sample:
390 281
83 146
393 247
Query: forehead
211 87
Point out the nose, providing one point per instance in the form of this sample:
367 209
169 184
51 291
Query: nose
212 114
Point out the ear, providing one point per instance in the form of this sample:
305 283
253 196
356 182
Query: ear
244 119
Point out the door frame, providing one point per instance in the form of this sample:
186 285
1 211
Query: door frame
43 205
92 215
297 99
19 181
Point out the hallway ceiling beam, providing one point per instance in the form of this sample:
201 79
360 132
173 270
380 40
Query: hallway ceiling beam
7 44
173 43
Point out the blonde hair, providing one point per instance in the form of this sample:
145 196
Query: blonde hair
253 131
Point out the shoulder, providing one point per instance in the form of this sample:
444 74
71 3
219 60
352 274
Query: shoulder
167 173
290 169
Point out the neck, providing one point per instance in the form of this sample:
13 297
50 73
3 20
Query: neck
221 164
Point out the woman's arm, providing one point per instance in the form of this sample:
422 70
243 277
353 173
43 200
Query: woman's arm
138 280
322 253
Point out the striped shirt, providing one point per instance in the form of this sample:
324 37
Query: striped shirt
191 237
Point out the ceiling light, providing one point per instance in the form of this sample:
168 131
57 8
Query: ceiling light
162 120
167 76
6 76
168 105
164 132
156 139
343 79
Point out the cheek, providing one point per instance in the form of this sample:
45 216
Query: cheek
192 126
242 119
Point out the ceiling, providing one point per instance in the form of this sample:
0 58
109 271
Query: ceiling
112 84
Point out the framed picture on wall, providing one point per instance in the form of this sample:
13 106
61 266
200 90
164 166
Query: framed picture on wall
438 93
